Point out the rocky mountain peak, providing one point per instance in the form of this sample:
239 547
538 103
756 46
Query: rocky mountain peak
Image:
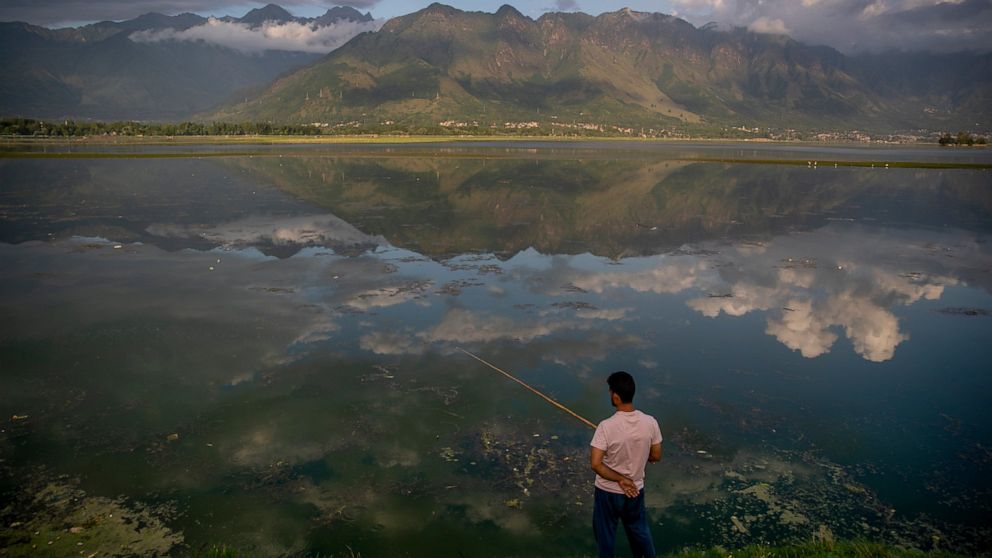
270 12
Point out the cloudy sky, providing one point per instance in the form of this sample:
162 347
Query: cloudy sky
849 25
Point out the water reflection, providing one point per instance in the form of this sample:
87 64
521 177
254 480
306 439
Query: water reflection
442 207
293 322
613 208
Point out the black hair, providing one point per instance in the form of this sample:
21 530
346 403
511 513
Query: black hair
622 384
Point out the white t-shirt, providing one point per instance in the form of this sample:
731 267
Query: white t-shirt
626 437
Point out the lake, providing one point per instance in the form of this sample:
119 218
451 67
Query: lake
261 346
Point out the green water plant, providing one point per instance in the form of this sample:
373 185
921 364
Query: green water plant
63 520
812 549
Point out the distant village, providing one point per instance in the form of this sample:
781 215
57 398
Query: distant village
20 127
735 132
742 132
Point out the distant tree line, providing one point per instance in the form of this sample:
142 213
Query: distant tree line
963 138
73 128
27 127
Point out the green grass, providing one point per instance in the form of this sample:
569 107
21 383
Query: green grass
385 138
816 549
812 549
866 164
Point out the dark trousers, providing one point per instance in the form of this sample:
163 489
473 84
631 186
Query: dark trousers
607 509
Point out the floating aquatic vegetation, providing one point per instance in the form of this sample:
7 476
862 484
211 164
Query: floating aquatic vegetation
275 290
490 269
447 394
59 519
795 496
963 311
539 466
572 288
454 288
574 305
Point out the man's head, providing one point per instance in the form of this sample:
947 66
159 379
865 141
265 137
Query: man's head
622 385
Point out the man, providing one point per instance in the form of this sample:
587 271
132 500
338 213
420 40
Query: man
622 445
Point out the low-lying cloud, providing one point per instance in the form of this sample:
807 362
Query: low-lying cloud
856 25
768 25
289 36
303 230
55 12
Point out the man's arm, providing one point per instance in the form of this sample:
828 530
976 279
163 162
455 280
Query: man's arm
655 455
603 470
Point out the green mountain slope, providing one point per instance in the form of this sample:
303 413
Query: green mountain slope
96 71
115 78
624 68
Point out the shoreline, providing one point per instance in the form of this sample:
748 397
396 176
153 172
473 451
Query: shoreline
863 156
832 163
359 139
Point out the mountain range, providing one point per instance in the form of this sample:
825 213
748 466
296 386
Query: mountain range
625 68
444 66
100 71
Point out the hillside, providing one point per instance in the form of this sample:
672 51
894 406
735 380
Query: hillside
625 69
99 71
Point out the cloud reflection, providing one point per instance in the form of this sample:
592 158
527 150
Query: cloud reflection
811 286
807 300
304 230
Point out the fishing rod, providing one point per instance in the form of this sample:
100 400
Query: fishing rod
521 382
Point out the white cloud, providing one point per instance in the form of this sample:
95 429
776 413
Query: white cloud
700 6
807 301
463 326
290 36
390 343
675 276
743 299
606 314
850 288
876 8
282 231
856 25
384 297
320 330
800 329
767 25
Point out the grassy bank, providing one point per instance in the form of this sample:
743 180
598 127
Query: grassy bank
817 549
812 549
264 139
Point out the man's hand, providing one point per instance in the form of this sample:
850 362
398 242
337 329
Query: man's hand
628 487
655 455
596 461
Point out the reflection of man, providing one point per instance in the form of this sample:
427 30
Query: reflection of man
621 447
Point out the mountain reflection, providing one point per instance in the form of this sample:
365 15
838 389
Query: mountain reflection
402 255
615 208
442 206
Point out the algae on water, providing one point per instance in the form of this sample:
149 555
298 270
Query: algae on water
62 520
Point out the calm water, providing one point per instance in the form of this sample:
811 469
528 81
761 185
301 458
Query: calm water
262 351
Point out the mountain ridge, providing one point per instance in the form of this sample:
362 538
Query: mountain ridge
626 68
442 66
97 71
